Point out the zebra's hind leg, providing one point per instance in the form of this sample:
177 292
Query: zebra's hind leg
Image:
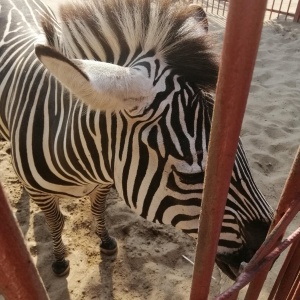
108 244
55 221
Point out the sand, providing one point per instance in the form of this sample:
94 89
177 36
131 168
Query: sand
149 264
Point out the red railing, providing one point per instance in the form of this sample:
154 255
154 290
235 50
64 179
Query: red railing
285 9
19 278
288 10
241 41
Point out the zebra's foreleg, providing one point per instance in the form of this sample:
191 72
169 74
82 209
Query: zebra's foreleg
55 221
98 203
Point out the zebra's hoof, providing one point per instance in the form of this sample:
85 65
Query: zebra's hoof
110 247
61 268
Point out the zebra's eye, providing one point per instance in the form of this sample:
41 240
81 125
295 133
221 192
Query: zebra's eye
195 178
133 109
189 178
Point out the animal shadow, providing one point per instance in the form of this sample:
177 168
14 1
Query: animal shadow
57 287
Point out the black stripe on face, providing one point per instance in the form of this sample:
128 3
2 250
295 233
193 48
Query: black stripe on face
183 218
170 201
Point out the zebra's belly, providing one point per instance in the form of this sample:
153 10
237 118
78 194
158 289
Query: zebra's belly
65 191
76 191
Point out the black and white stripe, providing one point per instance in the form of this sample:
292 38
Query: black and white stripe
155 152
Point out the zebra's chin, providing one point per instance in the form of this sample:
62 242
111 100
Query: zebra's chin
230 271
253 235
233 263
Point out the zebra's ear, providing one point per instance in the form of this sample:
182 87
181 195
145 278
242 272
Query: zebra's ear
199 15
101 85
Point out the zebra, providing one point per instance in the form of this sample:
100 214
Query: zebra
119 93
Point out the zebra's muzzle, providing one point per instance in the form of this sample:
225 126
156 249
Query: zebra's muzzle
231 271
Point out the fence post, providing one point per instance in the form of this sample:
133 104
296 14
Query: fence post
290 193
297 13
241 41
19 278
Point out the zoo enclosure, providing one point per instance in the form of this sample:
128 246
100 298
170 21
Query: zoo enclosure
287 10
28 284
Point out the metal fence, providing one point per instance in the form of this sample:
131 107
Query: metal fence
287 10
226 123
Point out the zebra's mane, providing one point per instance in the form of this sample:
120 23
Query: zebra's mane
119 31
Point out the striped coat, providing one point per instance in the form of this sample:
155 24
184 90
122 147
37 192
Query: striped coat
119 93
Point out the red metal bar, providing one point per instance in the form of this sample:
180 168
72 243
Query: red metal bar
271 10
295 16
213 6
282 12
248 275
224 5
290 193
288 9
280 9
289 276
283 270
206 5
297 13
260 257
296 294
218 6
253 294
274 237
291 295
19 278
241 41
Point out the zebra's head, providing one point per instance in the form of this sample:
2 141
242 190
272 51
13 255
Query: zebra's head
151 64
106 52
253 234
246 220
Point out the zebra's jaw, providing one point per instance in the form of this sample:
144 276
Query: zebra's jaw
101 85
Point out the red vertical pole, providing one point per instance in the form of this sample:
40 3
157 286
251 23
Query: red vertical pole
224 6
272 9
279 10
290 275
296 294
290 193
297 13
283 270
292 291
288 9
241 41
19 278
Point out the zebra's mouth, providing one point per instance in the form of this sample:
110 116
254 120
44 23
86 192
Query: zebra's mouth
232 264
229 270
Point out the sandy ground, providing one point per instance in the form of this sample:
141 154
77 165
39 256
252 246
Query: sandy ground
149 264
